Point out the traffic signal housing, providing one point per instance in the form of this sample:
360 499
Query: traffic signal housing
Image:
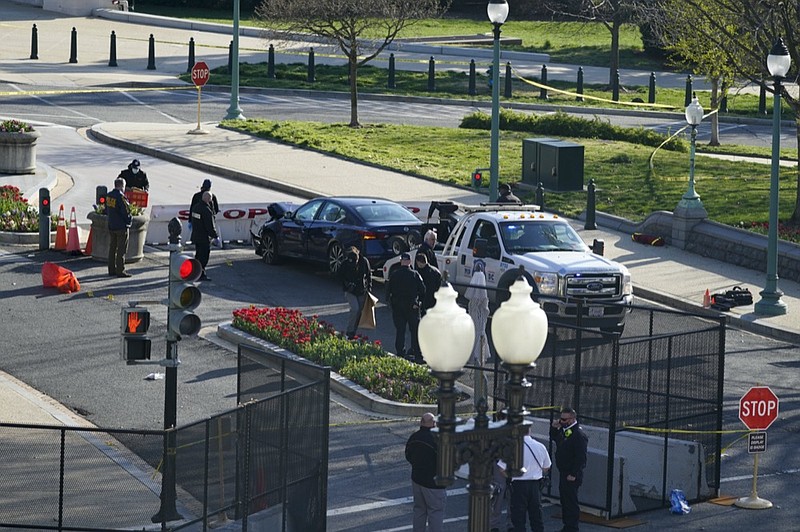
477 179
134 323
100 194
44 218
184 296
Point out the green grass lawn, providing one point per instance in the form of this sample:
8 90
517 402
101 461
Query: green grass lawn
733 193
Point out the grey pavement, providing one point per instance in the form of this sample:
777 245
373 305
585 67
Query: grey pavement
665 274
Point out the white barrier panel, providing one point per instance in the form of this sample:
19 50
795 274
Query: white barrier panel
234 221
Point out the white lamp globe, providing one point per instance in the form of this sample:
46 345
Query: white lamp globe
446 333
779 61
519 326
694 112
497 11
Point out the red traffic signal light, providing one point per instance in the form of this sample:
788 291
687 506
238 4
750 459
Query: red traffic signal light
184 296
477 179
134 323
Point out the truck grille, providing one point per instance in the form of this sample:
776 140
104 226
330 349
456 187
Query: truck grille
594 285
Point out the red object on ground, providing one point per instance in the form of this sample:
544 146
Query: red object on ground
55 276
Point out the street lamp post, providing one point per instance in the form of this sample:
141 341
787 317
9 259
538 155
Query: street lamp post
446 336
234 111
778 64
497 11
694 115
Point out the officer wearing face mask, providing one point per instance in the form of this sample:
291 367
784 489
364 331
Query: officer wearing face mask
135 177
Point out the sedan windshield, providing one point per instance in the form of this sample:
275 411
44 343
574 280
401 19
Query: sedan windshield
540 235
384 212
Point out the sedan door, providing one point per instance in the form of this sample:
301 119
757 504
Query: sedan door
294 230
323 229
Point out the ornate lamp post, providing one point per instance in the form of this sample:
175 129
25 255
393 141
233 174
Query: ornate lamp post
778 64
446 336
234 111
694 115
498 12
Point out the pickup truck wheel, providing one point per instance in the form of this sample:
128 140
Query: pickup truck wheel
506 281
269 249
335 258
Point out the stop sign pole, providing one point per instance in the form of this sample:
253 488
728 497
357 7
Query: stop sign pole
758 409
200 75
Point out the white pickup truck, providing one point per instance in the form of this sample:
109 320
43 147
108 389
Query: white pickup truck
499 238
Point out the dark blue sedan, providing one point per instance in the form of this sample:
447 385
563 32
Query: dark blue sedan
322 229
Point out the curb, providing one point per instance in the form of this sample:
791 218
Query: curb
340 385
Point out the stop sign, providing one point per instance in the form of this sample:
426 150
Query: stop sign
200 74
758 408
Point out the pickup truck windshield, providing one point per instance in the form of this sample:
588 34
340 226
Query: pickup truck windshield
526 236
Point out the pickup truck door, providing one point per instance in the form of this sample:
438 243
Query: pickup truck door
468 263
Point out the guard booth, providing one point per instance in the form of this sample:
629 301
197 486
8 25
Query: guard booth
557 164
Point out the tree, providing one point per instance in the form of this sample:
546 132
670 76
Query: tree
344 23
743 32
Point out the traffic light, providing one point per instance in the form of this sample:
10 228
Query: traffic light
184 296
134 323
44 218
477 179
100 196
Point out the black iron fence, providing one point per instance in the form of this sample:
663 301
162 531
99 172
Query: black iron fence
651 399
263 462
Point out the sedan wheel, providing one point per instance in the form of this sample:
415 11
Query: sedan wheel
270 248
335 258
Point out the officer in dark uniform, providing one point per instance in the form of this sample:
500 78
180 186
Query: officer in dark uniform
405 292
135 177
119 222
432 279
204 229
571 455
506 196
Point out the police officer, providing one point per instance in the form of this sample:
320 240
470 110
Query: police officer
198 196
135 177
432 279
571 455
506 196
405 292
119 221
204 229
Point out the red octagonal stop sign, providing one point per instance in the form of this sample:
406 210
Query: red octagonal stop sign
200 73
758 408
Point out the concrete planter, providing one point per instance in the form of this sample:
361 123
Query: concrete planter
18 152
100 238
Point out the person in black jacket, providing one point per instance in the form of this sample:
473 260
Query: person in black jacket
198 196
135 177
405 292
204 229
432 279
506 196
429 499
356 277
119 222
571 455
426 248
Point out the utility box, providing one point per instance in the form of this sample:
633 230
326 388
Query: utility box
557 164
530 159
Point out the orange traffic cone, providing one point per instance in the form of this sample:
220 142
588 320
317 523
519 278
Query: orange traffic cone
88 250
73 240
707 299
61 231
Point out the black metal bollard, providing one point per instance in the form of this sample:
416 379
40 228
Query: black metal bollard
73 46
472 77
151 54
651 93
591 206
542 90
539 195
230 58
112 54
431 74
762 100
723 104
615 88
312 74
191 55
507 89
580 85
687 97
391 84
34 43
271 62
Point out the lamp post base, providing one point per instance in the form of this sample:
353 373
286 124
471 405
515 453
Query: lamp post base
770 304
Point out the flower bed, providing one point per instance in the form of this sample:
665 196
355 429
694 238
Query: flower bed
17 214
15 126
361 361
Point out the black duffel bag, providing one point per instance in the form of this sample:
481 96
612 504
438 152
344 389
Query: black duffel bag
740 296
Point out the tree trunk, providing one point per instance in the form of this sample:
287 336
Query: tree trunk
795 219
715 99
353 60
614 63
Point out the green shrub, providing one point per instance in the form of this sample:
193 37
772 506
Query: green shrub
393 377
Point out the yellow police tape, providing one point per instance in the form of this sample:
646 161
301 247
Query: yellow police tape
684 431
681 130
